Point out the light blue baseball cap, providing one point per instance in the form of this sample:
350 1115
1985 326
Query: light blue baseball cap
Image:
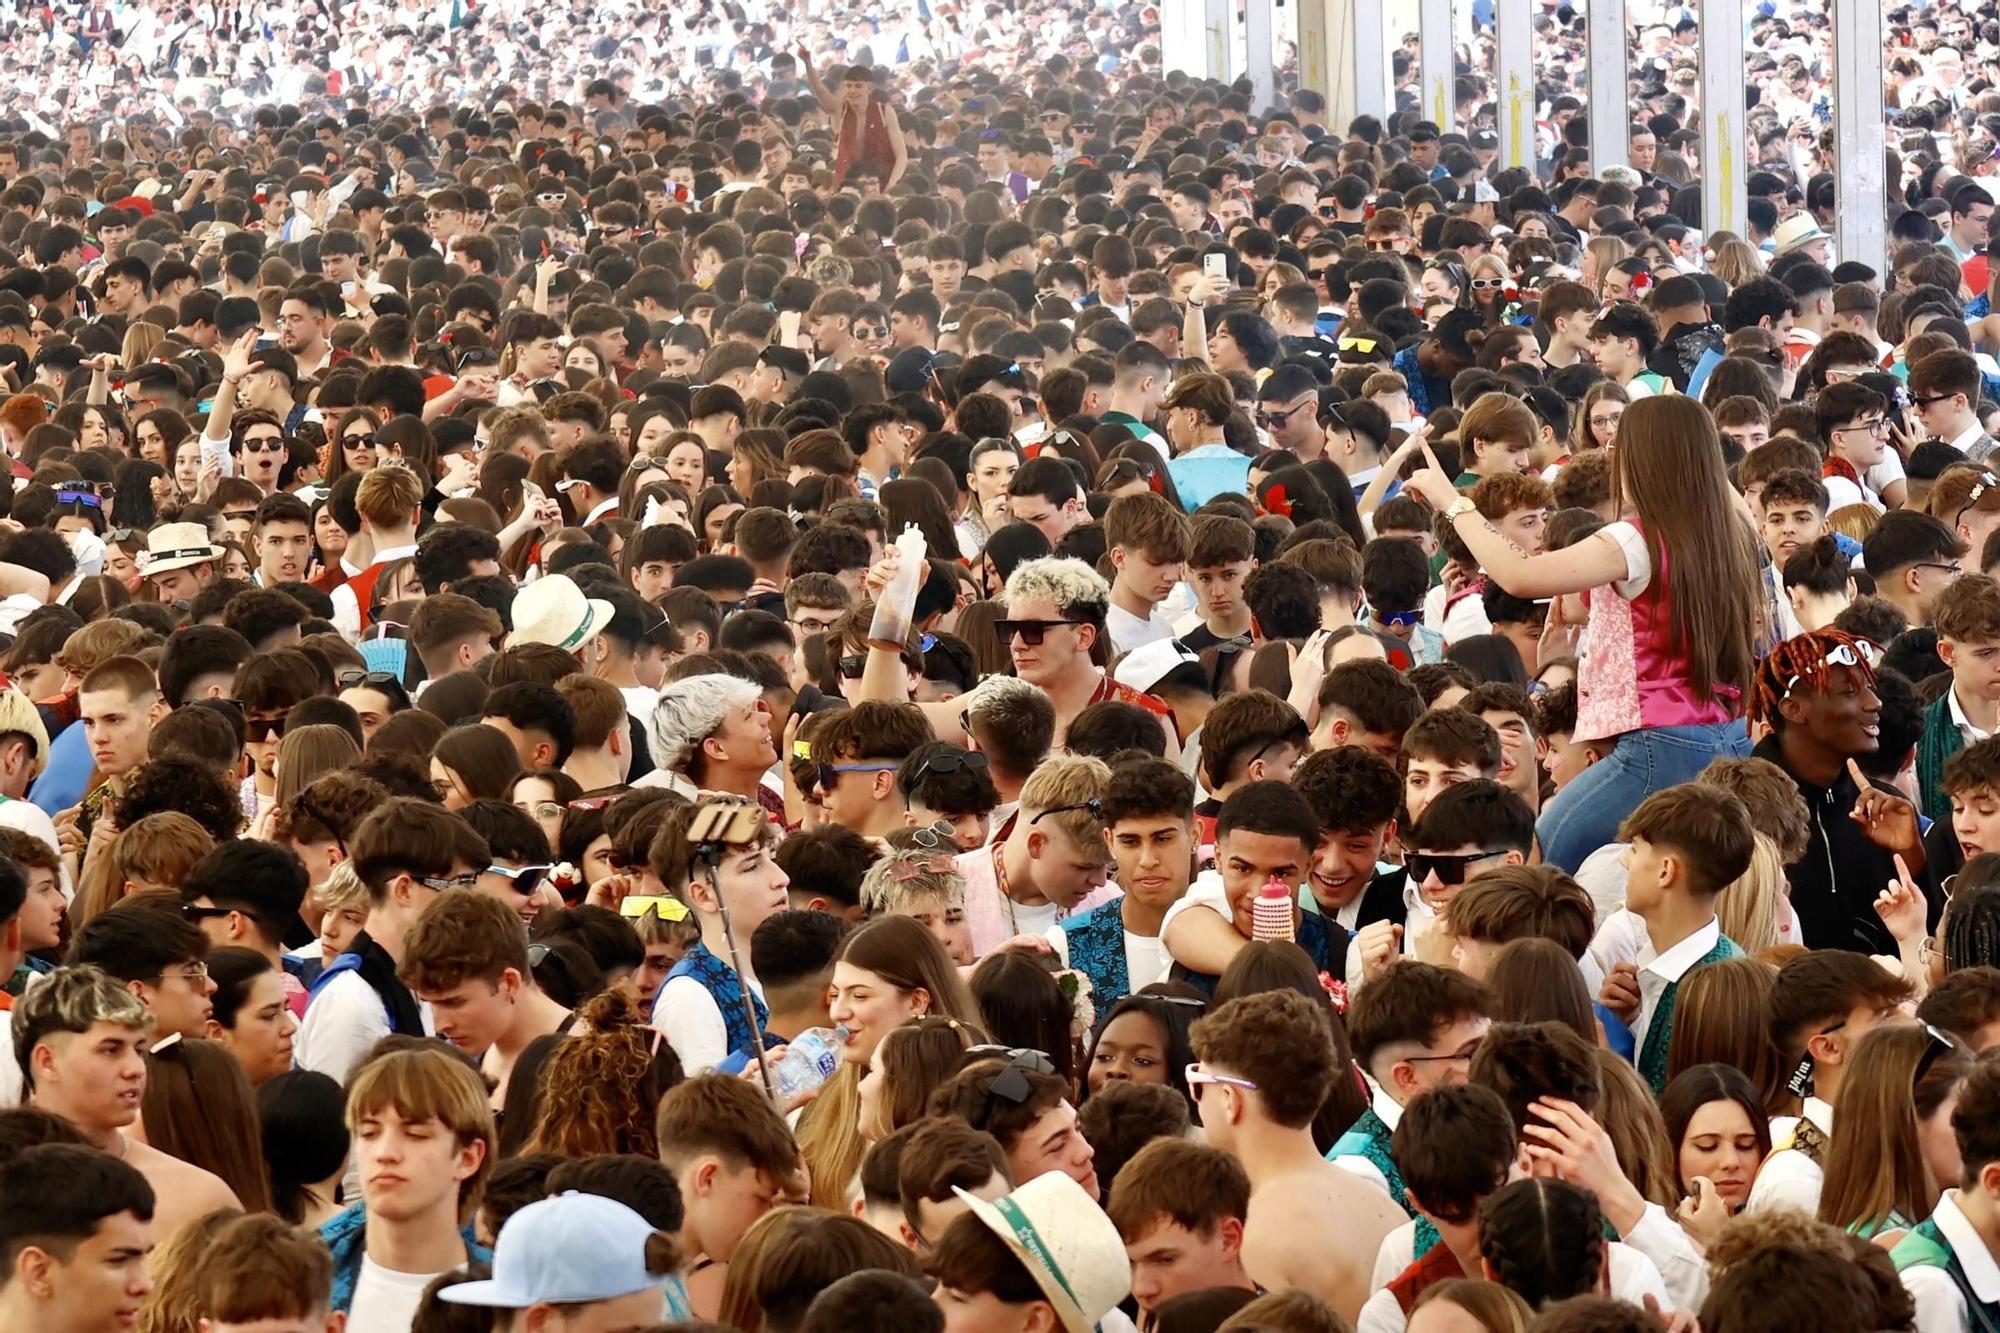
568 1249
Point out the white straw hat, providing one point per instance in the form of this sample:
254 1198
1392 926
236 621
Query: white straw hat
1067 1244
173 546
553 610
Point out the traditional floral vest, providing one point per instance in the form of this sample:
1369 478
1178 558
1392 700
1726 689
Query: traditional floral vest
721 981
1097 949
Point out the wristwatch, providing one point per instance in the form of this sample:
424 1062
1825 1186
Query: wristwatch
1462 505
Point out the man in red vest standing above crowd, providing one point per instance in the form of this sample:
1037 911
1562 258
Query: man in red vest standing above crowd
390 501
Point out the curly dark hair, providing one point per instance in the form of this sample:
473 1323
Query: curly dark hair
192 789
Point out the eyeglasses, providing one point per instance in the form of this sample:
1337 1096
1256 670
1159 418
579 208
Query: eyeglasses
811 626
1279 418
353 676
265 444
1365 346
1927 400
1094 805
523 878
1488 284
191 912
1463 1053
829 774
1450 870
1605 422
1389 243
365 440
1878 426
1031 632
446 882
263 728
851 665
1941 1044
1198 1078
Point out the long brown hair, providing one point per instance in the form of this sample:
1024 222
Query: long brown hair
916 1059
903 953
198 1107
1668 469
1638 1133
1535 980
1721 1016
1875 1164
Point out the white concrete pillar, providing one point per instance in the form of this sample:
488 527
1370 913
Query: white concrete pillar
1514 82
1724 168
1861 231
1609 100
1440 71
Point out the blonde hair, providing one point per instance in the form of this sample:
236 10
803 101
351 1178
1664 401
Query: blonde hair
343 889
1070 584
885 892
1069 780
100 641
430 1084
1747 907
72 1000
159 849
1856 520
175 1304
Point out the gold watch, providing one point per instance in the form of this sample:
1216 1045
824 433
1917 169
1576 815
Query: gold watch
1462 505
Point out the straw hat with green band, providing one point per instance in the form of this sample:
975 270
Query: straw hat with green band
553 610
1066 1243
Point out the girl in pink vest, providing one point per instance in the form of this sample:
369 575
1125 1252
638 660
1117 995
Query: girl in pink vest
1672 595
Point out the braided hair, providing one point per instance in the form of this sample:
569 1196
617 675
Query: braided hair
1543 1240
1971 925
1801 661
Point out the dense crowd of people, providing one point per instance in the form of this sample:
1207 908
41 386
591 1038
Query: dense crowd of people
702 670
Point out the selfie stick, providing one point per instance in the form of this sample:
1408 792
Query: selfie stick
713 833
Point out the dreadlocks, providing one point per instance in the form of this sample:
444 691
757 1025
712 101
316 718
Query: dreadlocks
1802 661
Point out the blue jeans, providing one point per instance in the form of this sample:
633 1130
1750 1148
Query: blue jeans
1585 815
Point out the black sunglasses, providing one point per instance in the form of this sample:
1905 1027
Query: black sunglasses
851 665
354 676
1094 805
263 728
948 761
1450 870
1031 632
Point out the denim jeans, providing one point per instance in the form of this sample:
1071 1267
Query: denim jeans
1585 815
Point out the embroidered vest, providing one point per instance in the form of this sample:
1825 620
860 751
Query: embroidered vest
1939 741
1312 937
1369 1138
1926 1246
721 981
1808 1140
1653 1056
1097 949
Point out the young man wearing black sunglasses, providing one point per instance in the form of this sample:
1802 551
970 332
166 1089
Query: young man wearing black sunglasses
1468 828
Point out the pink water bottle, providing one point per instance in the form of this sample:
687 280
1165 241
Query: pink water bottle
1271 913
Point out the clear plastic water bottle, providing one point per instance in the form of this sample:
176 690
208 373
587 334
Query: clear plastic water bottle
1271 913
809 1061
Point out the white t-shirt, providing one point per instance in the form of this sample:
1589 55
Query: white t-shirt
386 1301
1127 631
10 1069
342 1024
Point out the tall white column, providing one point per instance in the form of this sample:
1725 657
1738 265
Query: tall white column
1437 61
1609 100
1723 165
1257 27
1861 231
1514 81
1183 44
1219 33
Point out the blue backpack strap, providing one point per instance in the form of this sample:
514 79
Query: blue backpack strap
347 962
